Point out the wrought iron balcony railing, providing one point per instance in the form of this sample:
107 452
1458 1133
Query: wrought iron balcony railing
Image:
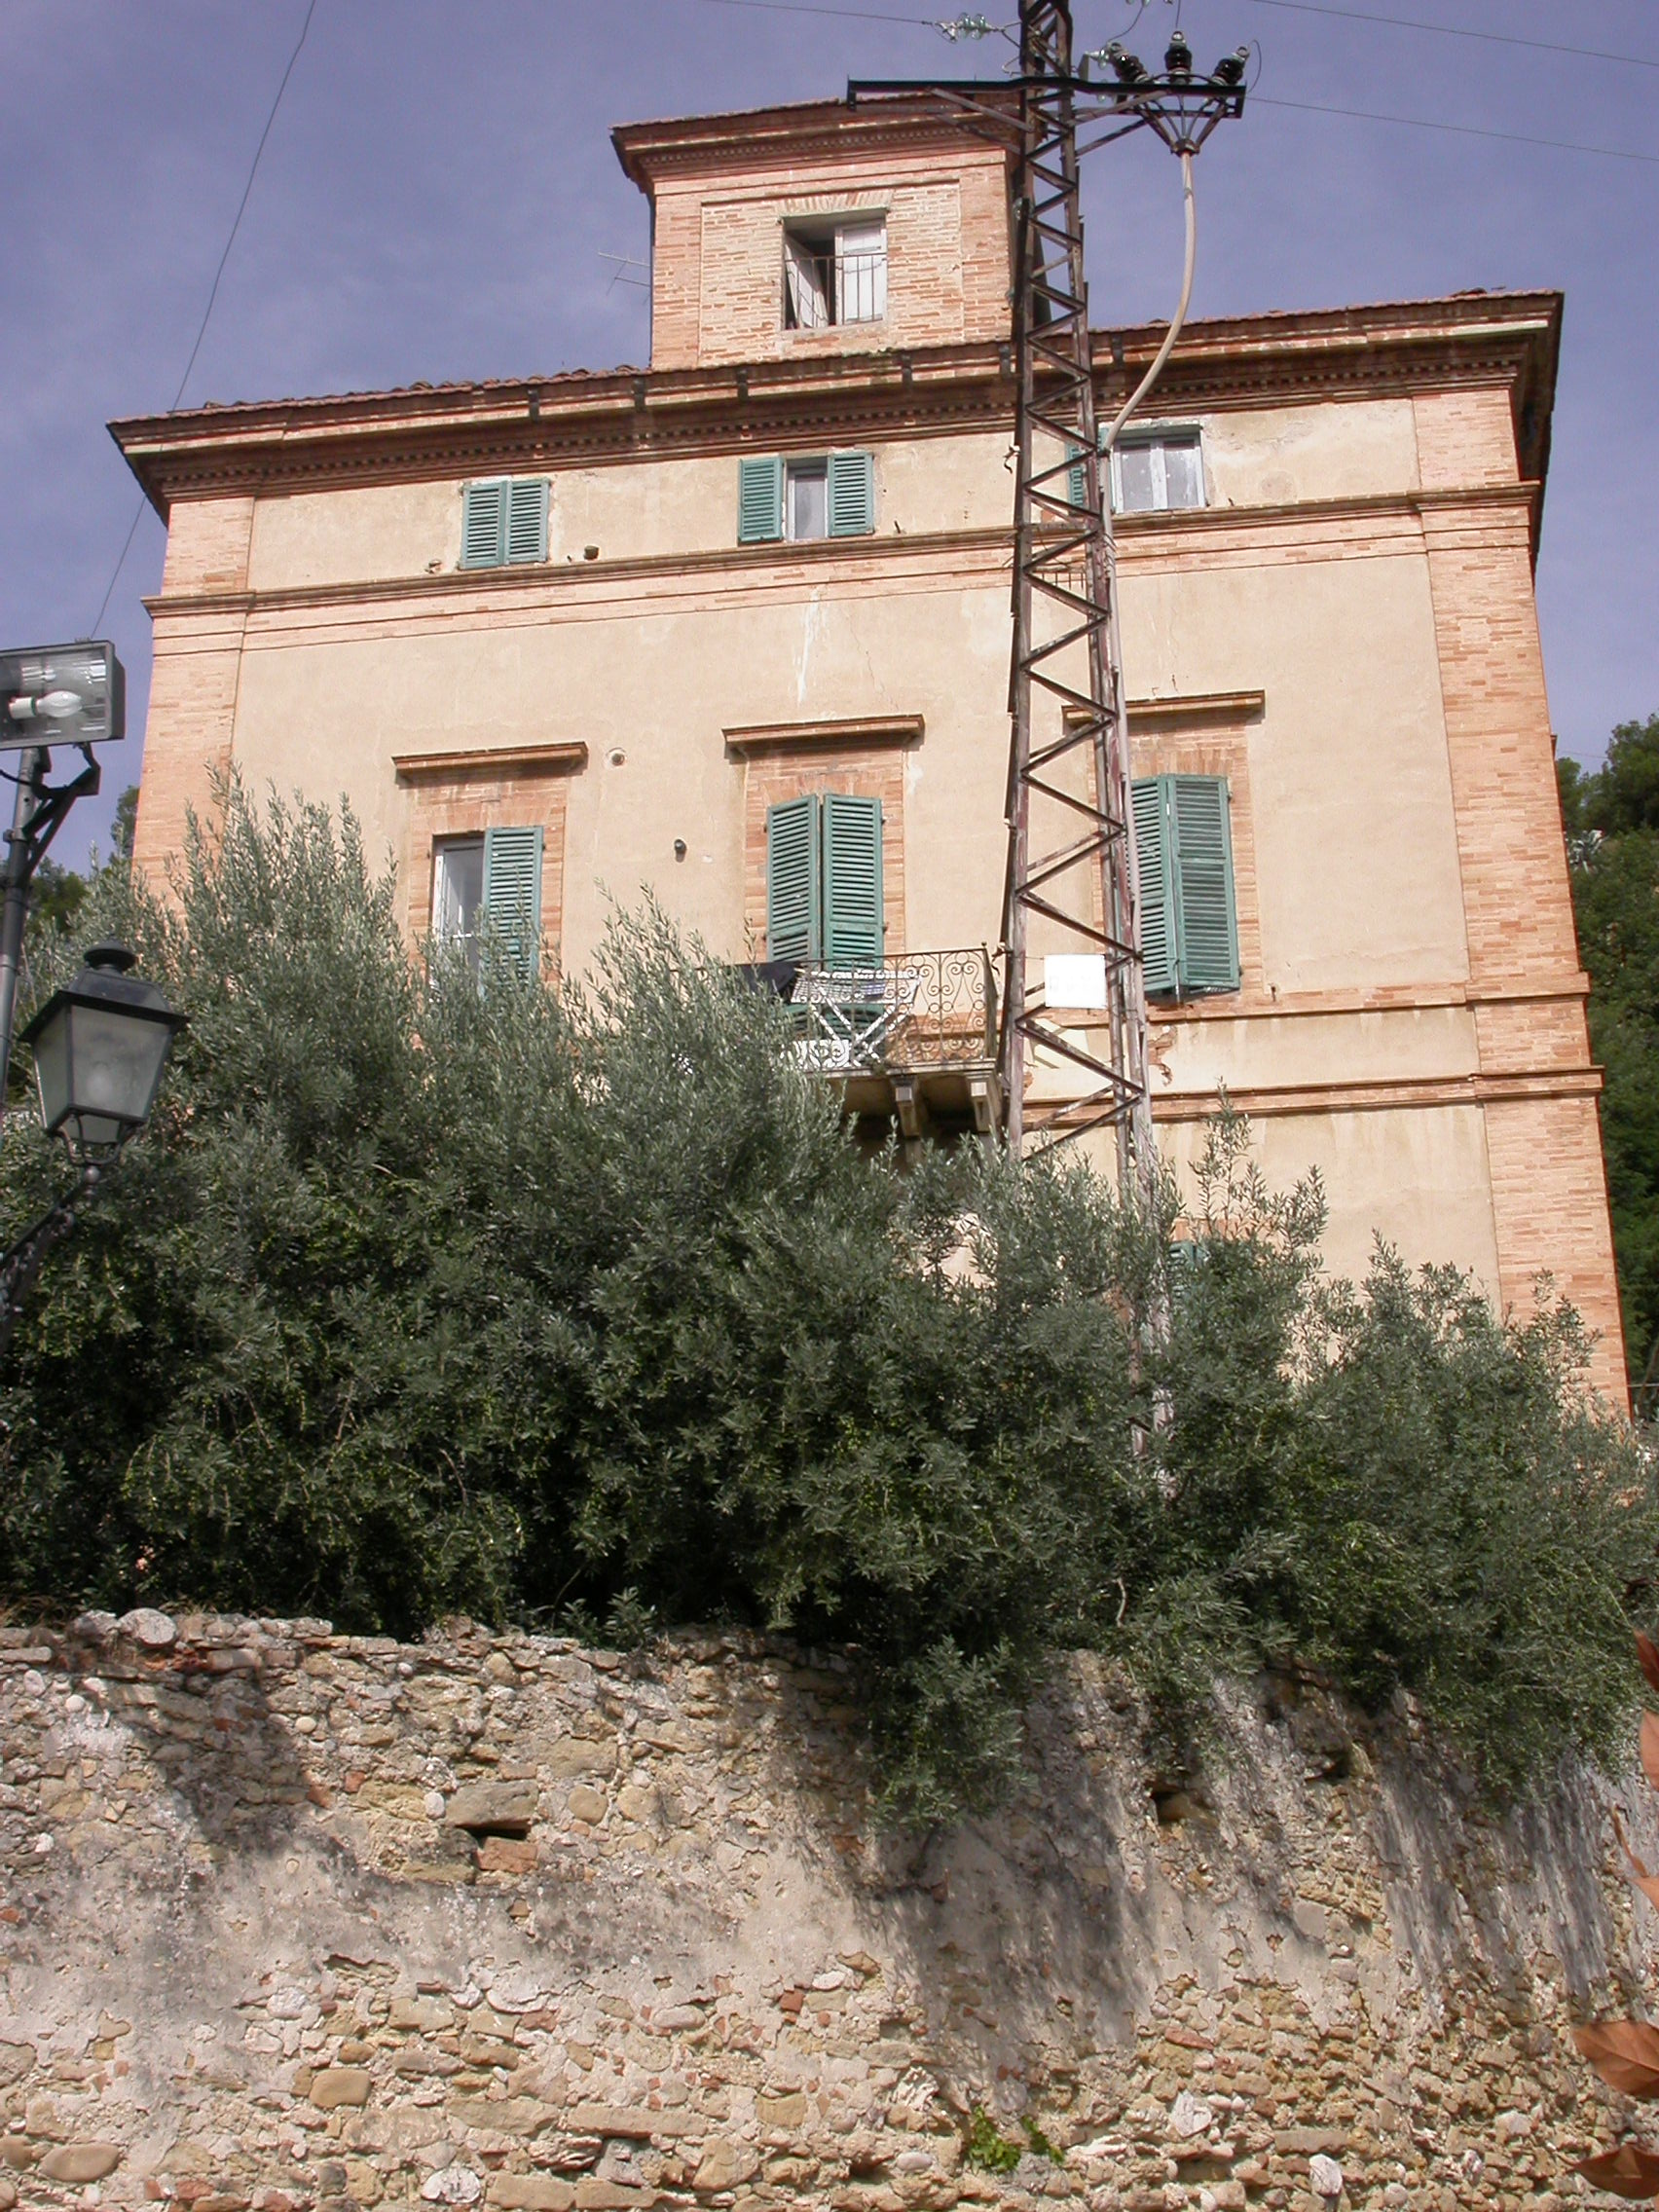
909 1011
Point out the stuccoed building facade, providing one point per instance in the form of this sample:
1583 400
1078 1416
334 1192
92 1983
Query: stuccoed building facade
735 629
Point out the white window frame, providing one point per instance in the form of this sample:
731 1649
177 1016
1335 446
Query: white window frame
815 279
869 281
444 931
1155 438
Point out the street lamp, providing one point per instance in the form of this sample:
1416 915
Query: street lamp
100 1045
73 694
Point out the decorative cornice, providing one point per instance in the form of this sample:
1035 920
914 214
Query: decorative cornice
808 129
492 760
457 430
1378 1097
1149 534
867 732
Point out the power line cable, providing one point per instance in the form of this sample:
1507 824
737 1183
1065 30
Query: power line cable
1463 130
212 296
1456 30
1306 107
806 7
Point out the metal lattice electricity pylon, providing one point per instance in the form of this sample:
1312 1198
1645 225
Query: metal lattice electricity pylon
1071 868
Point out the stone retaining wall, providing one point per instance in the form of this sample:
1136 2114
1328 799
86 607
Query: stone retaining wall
296 1920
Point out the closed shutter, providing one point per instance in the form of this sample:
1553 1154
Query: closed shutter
852 494
512 894
1207 919
793 895
760 499
484 524
527 519
851 881
1154 863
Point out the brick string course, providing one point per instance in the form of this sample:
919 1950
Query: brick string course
293 1920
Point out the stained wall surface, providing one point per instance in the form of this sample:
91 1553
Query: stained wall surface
308 1923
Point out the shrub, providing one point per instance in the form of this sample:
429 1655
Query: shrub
577 1307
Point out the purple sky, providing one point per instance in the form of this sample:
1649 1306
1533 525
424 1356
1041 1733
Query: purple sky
438 190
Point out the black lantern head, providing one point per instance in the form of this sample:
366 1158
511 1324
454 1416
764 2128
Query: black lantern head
100 1046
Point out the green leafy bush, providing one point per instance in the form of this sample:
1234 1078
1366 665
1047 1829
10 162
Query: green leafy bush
1611 819
578 1308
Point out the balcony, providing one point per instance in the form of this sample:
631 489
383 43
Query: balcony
913 1036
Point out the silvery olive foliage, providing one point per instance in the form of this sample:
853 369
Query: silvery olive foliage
576 1304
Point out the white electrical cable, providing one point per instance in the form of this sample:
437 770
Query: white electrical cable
1174 331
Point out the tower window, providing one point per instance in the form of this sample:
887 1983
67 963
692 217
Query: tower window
834 272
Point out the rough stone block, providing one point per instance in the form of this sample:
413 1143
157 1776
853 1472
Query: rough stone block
531 2193
723 2165
581 1755
491 1805
506 1854
150 1630
337 2085
781 2112
80 2161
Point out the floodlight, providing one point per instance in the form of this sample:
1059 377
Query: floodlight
61 695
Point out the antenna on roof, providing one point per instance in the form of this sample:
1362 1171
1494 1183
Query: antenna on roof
624 262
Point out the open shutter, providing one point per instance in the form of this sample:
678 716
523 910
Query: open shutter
851 495
851 881
1207 920
803 273
527 519
1155 869
512 893
759 497
792 880
1076 477
484 524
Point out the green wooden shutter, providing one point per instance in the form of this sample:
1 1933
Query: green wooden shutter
512 894
1155 860
851 495
759 497
1077 478
1206 915
851 881
484 524
793 878
527 519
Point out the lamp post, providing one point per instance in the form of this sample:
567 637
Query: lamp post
100 1045
49 695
